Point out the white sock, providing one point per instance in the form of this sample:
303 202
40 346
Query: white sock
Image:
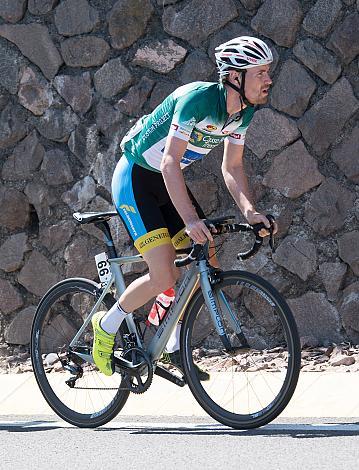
112 320
174 341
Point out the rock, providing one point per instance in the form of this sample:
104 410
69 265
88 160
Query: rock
348 309
38 274
160 92
80 194
25 160
10 297
74 17
86 51
270 130
41 198
12 252
79 258
161 57
205 192
344 156
230 31
103 167
57 124
136 13
321 17
19 330
15 209
56 168
56 236
332 275
318 59
348 245
316 317
108 118
343 361
293 89
195 28
197 67
112 78
41 7
345 39
279 20
251 4
12 10
328 207
84 142
11 63
135 98
12 125
34 92
76 91
35 43
324 121
164 3
272 273
293 172
297 255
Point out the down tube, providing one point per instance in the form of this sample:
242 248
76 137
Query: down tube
163 333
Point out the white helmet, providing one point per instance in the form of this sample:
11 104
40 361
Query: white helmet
242 53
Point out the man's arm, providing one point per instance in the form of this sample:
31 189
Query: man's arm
237 183
175 184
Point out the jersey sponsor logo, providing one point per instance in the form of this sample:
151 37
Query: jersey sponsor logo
236 136
196 137
128 208
126 212
154 239
154 126
211 142
174 126
211 127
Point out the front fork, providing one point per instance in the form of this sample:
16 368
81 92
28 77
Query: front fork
218 307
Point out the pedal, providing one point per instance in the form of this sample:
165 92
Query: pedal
166 374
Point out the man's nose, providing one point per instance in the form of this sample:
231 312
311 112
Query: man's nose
268 80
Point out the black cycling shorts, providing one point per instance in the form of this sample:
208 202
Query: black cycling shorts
143 203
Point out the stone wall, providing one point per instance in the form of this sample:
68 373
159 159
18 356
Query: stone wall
76 74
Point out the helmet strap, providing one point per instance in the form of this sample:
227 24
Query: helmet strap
240 89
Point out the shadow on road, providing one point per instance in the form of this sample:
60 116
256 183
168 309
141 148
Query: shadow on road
297 431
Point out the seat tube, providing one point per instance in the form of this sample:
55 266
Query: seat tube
211 304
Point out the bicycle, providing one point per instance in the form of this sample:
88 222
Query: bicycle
235 325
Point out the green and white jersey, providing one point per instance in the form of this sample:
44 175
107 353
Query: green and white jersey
196 113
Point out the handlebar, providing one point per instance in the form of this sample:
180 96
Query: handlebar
223 225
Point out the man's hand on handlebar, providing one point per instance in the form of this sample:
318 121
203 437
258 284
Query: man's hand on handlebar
257 218
199 232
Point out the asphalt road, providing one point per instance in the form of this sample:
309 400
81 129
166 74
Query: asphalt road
44 442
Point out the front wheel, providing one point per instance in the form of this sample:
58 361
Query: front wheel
253 378
92 399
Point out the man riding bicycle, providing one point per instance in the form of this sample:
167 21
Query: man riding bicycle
148 186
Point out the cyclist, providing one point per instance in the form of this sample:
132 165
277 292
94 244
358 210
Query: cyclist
148 186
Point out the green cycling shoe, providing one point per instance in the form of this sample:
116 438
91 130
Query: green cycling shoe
103 343
174 358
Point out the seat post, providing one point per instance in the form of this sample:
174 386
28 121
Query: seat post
105 229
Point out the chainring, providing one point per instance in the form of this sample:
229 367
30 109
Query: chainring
138 381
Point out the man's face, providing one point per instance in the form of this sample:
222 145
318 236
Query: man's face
257 83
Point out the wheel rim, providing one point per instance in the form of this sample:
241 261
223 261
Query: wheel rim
94 393
252 383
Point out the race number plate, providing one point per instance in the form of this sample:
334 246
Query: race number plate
103 268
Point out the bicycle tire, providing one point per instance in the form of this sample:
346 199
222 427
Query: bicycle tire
41 344
241 281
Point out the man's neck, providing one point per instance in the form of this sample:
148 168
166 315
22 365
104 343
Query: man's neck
234 102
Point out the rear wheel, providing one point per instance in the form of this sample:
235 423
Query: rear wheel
251 384
92 399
